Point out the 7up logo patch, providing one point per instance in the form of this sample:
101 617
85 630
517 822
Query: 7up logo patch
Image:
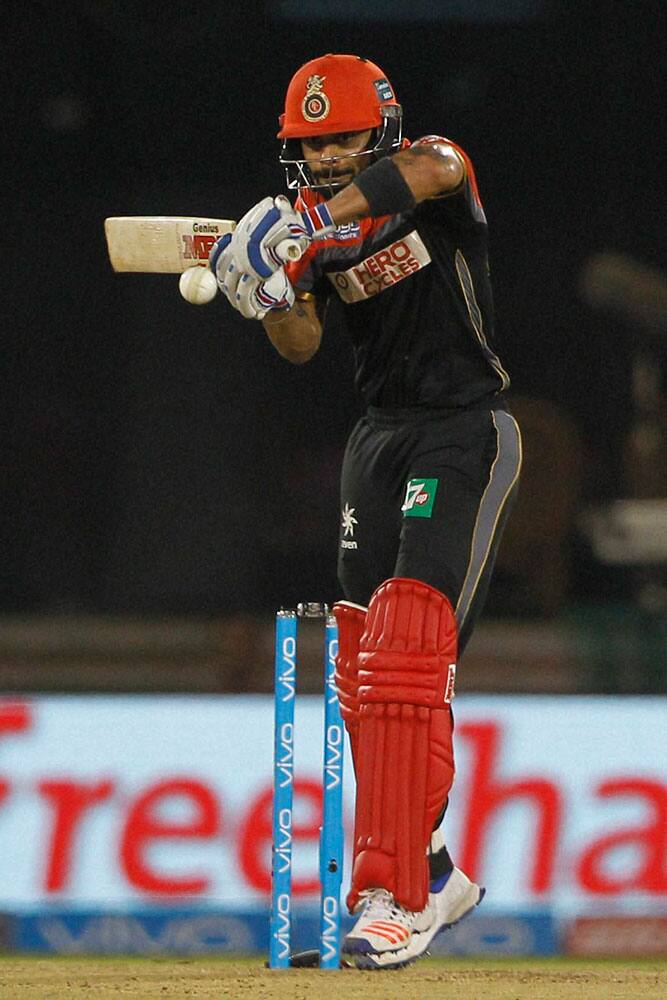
419 497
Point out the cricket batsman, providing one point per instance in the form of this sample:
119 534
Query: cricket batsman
395 230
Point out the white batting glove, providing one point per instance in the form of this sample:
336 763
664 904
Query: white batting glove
258 234
249 295
258 243
255 298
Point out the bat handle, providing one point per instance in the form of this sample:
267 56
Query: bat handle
289 250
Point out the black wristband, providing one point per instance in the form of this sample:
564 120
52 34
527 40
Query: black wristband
385 189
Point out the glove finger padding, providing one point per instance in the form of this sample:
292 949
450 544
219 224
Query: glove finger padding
405 764
255 298
276 294
227 273
218 249
228 282
245 299
292 225
257 237
247 237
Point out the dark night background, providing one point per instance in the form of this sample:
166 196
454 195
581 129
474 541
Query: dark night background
160 457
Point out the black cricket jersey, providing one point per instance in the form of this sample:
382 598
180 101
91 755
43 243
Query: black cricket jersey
417 299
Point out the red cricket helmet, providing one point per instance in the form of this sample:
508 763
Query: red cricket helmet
337 93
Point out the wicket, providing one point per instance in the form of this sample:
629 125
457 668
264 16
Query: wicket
331 832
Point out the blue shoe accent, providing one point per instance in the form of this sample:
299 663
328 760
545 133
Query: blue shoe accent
357 946
438 883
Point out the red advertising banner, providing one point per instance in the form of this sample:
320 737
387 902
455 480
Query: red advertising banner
106 801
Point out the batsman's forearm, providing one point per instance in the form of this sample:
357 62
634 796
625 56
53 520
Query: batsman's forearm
429 171
349 205
295 333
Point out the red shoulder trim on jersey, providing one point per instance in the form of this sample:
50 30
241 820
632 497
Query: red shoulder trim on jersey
427 140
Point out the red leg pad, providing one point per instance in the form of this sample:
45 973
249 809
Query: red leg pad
405 762
351 619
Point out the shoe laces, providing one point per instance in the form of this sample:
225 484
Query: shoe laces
380 904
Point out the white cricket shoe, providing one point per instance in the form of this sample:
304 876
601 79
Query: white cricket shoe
375 950
384 925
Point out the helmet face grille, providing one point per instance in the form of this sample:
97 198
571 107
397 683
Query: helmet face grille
386 139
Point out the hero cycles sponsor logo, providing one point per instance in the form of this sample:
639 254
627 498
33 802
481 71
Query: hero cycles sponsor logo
140 824
382 269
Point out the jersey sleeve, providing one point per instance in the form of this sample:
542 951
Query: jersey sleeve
467 200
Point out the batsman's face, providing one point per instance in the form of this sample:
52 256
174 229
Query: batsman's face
335 158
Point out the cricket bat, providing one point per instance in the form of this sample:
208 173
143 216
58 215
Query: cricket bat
161 244
170 244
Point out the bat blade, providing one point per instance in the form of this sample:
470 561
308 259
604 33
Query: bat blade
161 244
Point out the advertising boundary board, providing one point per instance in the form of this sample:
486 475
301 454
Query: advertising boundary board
207 932
119 804
245 932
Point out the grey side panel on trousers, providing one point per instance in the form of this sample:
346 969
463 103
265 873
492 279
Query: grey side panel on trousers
503 478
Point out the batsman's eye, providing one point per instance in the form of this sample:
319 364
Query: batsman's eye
318 142
350 138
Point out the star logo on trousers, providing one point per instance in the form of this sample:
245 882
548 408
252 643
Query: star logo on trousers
348 521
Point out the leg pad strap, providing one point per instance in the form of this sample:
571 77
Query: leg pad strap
351 619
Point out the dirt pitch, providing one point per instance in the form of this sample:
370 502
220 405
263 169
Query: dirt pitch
23 978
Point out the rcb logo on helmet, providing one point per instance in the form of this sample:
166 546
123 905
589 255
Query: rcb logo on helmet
315 105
